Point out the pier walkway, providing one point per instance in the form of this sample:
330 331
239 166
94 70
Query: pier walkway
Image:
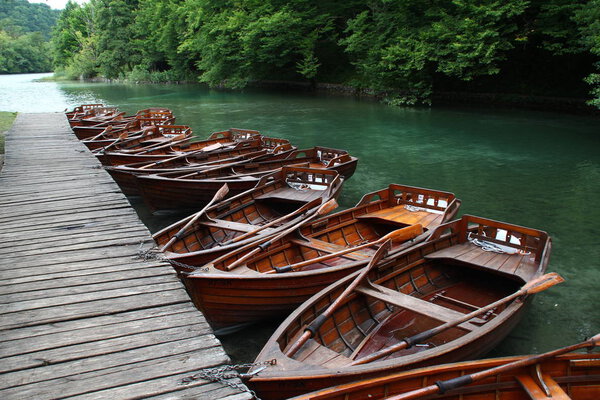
80 315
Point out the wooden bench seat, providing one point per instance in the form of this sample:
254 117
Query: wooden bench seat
235 226
315 353
415 304
289 194
522 266
401 215
535 392
327 247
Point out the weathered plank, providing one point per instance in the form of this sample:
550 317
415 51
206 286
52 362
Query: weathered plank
80 313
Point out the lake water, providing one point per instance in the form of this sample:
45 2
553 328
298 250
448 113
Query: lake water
535 169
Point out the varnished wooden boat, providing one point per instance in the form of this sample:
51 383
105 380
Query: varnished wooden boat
93 115
265 286
191 190
573 376
229 224
218 142
120 125
102 117
81 109
142 139
436 282
255 150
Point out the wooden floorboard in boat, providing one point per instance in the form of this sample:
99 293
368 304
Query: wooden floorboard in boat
80 314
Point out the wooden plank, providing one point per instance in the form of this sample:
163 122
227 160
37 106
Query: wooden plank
74 286
63 341
171 387
101 253
104 347
36 289
13 336
82 270
96 292
110 370
66 312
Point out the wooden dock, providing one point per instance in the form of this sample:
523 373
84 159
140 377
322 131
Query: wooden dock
81 316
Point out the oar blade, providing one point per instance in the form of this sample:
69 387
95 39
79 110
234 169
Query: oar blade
542 283
404 234
221 193
327 207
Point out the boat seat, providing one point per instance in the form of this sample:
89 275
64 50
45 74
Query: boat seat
522 266
315 353
288 194
535 392
400 214
235 226
328 247
415 304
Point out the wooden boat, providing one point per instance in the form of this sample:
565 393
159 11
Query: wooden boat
191 190
234 222
141 140
110 116
82 109
95 115
370 332
570 376
217 142
125 175
120 125
273 282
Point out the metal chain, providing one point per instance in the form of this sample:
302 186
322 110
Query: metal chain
224 373
154 254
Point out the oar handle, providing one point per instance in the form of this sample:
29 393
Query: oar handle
222 192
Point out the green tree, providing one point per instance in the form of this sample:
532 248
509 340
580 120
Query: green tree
115 37
402 45
74 41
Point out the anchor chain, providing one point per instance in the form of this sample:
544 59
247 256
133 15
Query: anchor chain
225 373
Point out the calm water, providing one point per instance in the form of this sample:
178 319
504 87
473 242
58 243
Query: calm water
529 168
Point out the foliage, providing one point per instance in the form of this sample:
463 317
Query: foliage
19 17
406 50
6 121
24 53
588 19
24 32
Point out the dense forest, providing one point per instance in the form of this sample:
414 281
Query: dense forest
407 52
25 31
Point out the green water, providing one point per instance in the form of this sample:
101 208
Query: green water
535 169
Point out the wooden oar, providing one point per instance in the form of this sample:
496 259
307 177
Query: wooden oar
154 164
400 235
324 209
312 328
222 192
121 137
535 286
444 386
305 207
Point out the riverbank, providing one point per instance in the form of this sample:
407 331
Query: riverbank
568 105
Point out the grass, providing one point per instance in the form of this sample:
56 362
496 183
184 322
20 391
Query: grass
6 121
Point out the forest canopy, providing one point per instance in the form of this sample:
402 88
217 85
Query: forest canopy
407 51
25 31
